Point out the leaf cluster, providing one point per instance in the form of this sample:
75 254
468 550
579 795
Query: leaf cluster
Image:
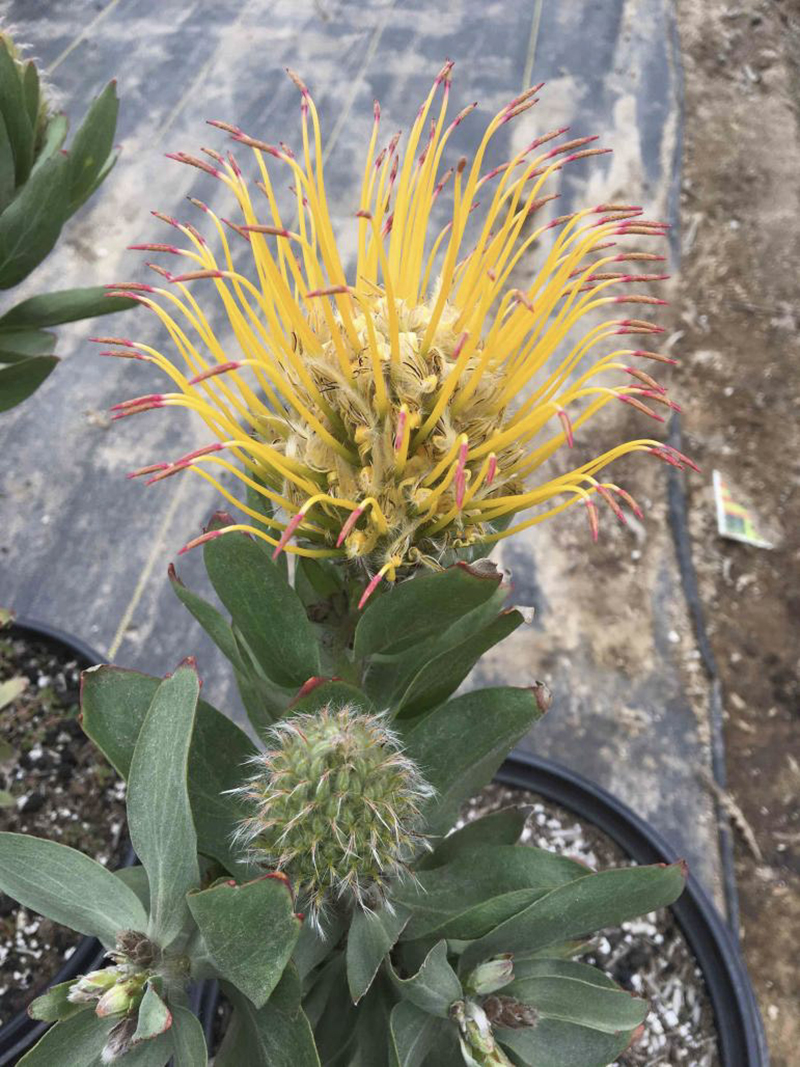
41 186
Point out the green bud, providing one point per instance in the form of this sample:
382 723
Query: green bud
90 987
478 1046
122 997
491 975
336 807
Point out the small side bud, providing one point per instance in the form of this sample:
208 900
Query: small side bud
491 975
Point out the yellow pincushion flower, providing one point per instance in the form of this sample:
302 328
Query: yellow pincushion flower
400 416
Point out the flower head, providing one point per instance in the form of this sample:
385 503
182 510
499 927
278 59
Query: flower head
336 806
398 414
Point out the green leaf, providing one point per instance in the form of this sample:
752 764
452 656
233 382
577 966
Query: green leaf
75 1042
212 621
277 1035
331 1012
153 1018
315 946
188 1039
7 177
420 609
503 827
337 694
319 579
264 608
250 931
480 888
20 380
53 1005
15 114
444 673
460 745
576 993
412 1033
30 90
54 135
581 906
91 146
67 887
63 305
16 345
435 986
114 703
553 1043
159 814
372 935
30 225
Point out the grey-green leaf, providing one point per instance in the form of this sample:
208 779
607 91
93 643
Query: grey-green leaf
372 935
503 827
412 1033
188 1039
54 1005
250 931
553 1043
114 703
67 887
265 608
460 745
153 1017
75 1042
159 813
435 986
277 1035
581 906
482 887
577 993
420 609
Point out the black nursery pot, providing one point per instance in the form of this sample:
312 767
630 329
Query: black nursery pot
21 1032
738 1022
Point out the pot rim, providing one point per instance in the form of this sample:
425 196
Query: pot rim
21 1032
738 1020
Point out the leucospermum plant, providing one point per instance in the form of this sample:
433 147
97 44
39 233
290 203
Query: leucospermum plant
387 430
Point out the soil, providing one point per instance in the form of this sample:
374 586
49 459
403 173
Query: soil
60 788
737 335
648 956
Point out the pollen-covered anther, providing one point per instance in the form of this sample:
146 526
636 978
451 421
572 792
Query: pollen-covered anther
566 422
352 519
634 403
594 521
212 372
286 536
604 492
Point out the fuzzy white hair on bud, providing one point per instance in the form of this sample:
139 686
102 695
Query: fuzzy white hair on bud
336 807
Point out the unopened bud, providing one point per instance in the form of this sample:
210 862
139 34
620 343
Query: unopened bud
478 1045
122 997
92 986
491 975
119 1040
